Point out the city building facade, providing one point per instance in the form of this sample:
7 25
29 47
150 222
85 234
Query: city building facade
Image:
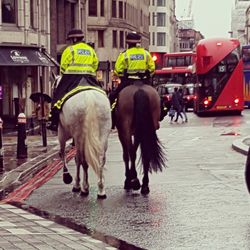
188 39
162 28
239 20
24 64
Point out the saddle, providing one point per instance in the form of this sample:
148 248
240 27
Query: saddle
84 84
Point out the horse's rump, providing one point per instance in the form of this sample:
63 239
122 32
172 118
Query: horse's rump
138 113
125 107
86 118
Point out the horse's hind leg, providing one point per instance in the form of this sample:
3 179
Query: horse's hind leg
145 180
85 183
135 183
101 189
76 188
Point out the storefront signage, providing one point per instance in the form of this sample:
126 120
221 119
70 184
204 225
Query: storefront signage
17 57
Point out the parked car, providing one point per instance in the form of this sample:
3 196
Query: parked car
188 95
165 91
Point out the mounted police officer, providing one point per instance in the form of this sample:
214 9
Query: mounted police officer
79 62
133 64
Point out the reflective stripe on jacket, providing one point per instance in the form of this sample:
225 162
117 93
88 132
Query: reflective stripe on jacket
79 58
134 60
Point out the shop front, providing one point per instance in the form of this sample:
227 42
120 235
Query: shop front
23 71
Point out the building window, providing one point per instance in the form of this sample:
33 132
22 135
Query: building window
114 39
121 39
93 8
153 18
102 8
161 19
125 10
153 38
161 3
161 39
9 11
100 38
120 9
32 14
113 8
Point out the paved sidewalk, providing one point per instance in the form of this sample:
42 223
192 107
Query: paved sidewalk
22 230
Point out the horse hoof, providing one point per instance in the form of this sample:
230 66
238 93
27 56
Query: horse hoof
101 197
76 190
135 184
127 184
84 193
145 190
67 178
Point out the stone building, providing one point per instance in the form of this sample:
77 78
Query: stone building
238 20
188 39
24 64
162 29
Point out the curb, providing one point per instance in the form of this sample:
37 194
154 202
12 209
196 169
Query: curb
27 170
20 175
240 146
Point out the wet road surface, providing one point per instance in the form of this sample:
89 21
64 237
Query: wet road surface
199 202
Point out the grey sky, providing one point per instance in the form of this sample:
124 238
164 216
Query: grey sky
211 17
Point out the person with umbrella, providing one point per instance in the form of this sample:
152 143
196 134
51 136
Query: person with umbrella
78 61
37 97
41 99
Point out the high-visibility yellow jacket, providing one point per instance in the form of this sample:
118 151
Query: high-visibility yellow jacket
79 58
134 60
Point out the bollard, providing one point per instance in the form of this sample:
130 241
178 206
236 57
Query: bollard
1 145
21 136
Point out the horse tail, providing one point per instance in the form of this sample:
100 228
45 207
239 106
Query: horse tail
152 151
92 145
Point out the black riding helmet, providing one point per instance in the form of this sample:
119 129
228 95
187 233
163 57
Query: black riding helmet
133 38
75 33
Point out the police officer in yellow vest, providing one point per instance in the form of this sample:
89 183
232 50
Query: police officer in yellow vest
133 64
78 61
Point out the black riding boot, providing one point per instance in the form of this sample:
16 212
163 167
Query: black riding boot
53 119
112 98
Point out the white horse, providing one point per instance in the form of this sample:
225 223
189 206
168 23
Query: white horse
86 118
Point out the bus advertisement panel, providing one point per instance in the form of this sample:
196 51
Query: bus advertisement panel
246 71
219 72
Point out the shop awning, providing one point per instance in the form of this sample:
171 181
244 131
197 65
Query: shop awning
24 56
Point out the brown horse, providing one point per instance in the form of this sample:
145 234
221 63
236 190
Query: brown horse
137 119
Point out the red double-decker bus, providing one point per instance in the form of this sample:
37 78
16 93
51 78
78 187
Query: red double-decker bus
179 59
178 71
219 72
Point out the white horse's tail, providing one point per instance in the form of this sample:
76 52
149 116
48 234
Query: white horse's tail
92 147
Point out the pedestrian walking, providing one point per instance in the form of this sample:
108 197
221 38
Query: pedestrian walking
176 99
171 114
183 104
